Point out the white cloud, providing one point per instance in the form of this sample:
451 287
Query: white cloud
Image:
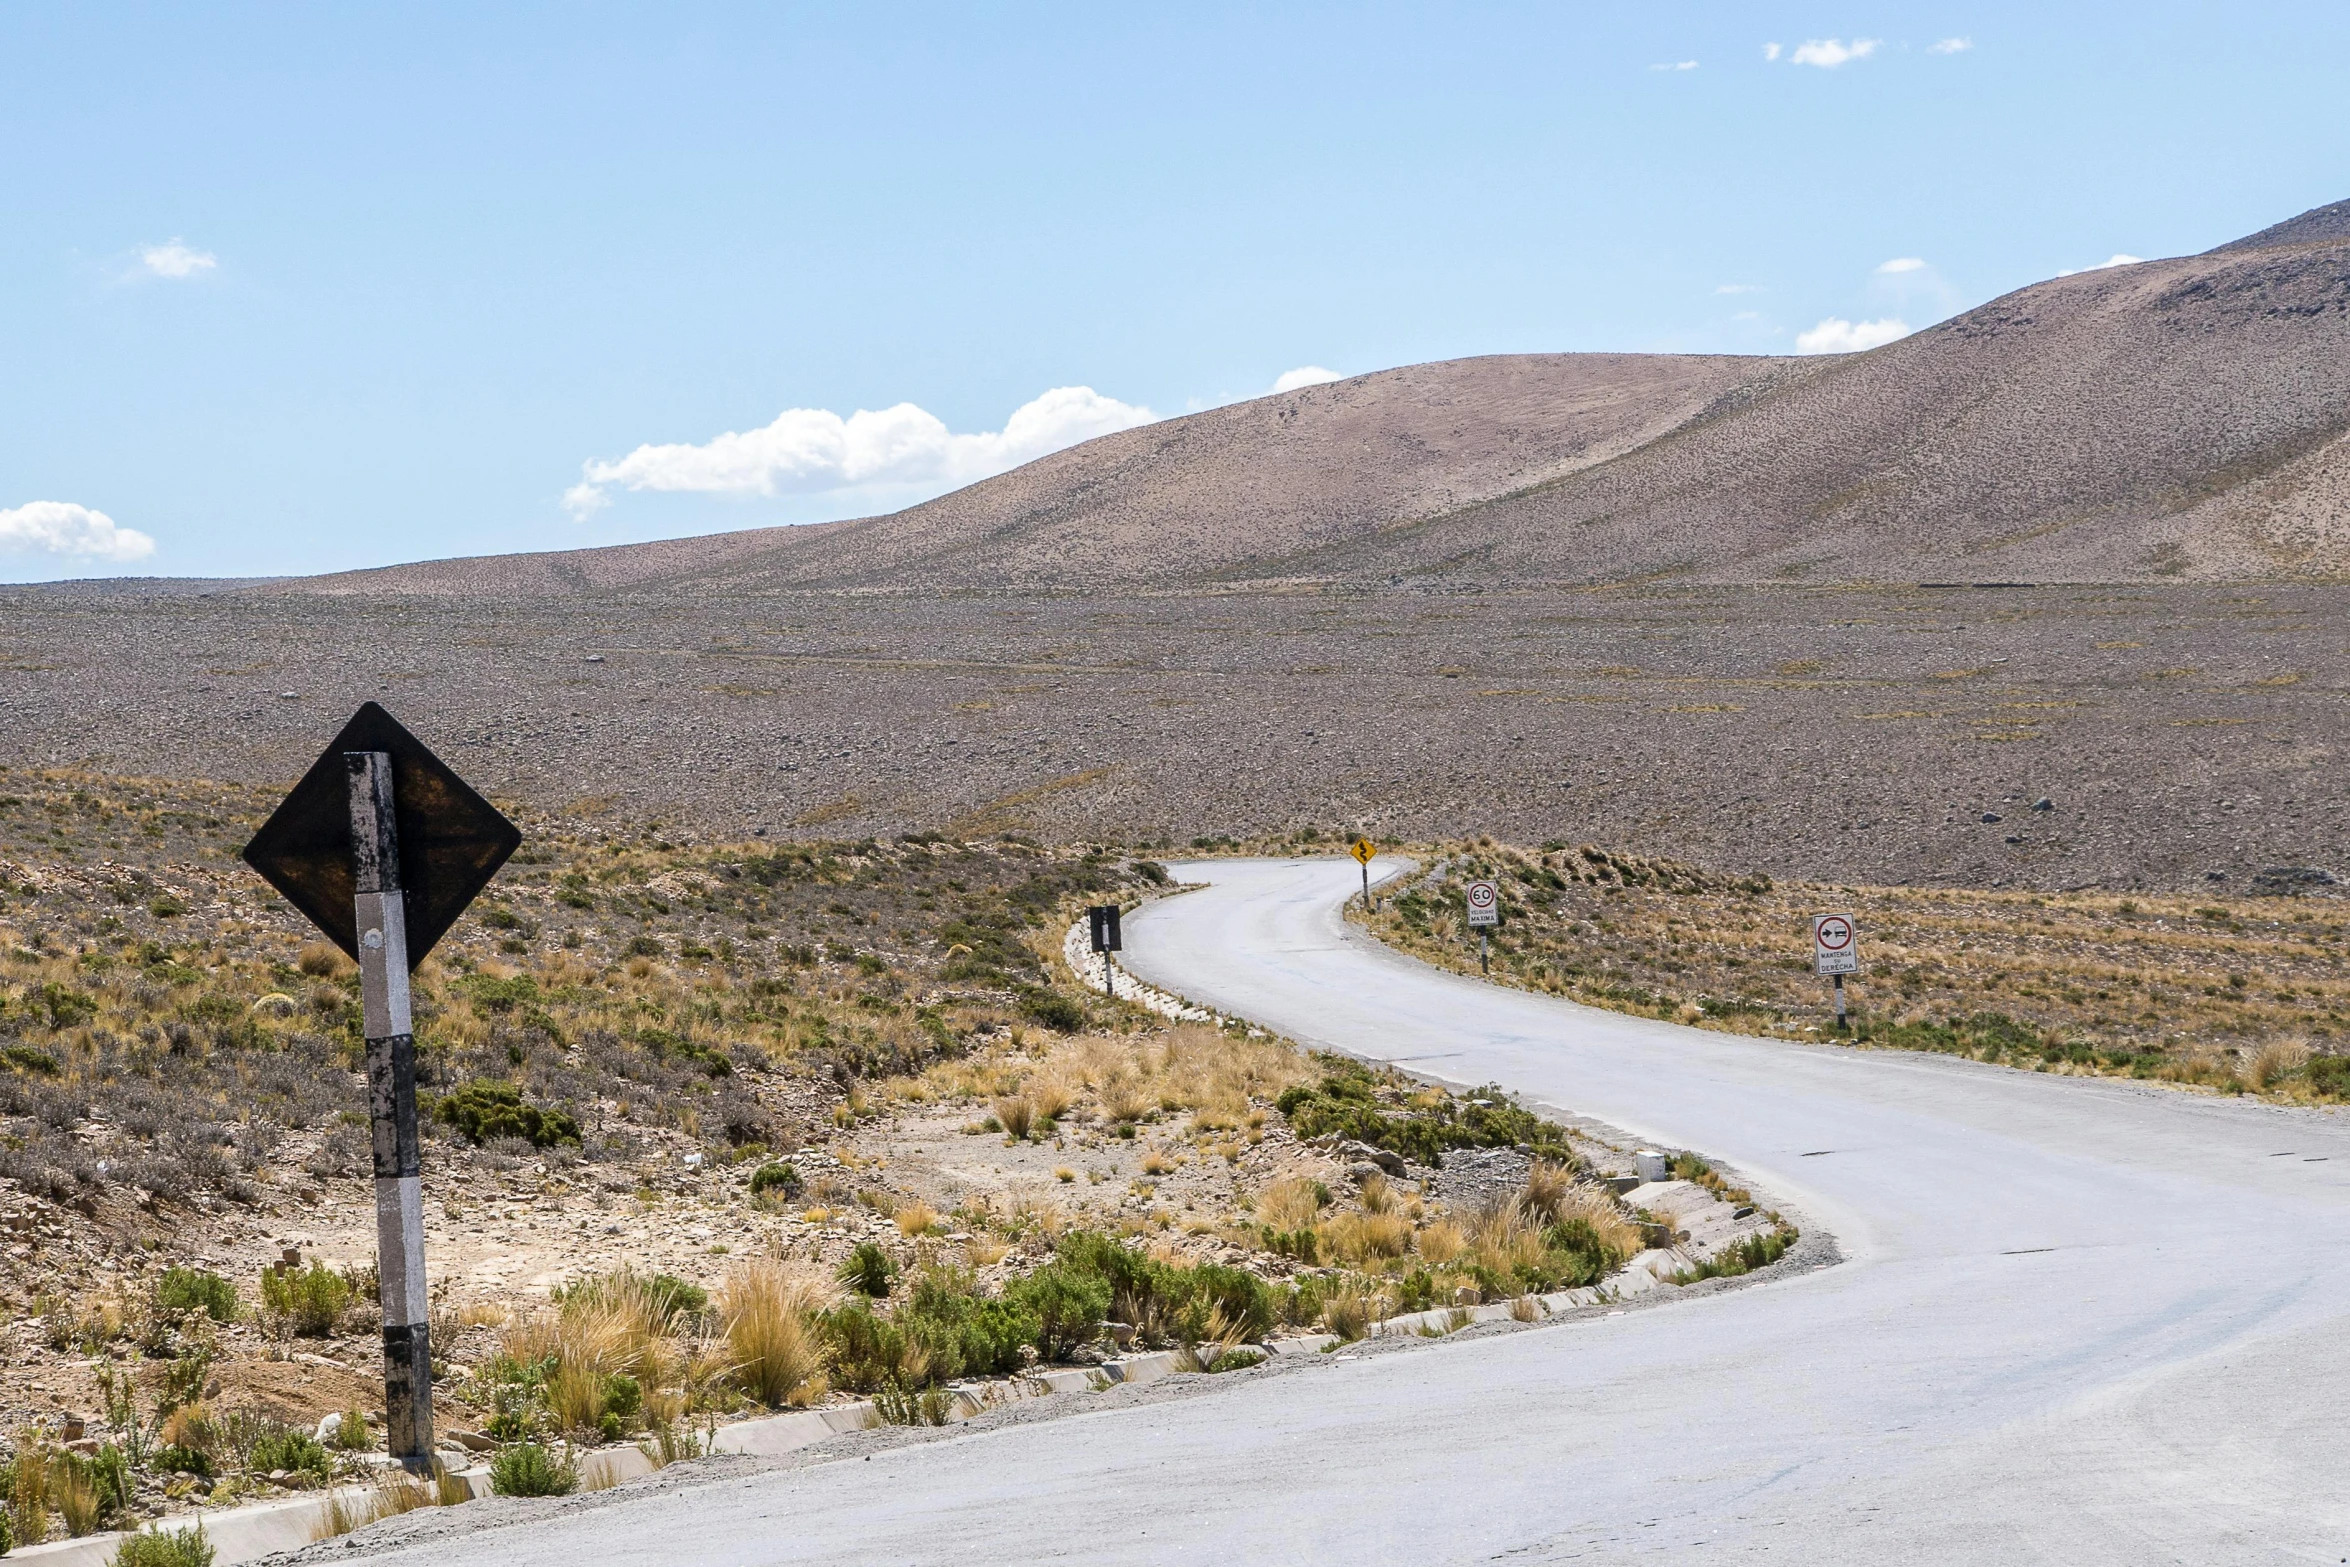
62 528
2117 260
1829 53
1839 336
1951 46
1302 376
1901 264
1675 65
176 260
1739 288
1770 51
814 450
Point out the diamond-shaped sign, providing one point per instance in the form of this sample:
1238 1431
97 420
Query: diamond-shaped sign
452 841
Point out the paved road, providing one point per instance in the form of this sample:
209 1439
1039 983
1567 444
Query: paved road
2081 1322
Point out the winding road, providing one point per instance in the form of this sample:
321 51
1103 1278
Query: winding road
2079 1321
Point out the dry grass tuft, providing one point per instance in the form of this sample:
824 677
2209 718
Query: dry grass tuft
1127 1098
1051 1097
916 1218
1360 1238
1504 1238
1016 1114
1443 1242
1350 1313
1289 1204
2278 1061
769 1318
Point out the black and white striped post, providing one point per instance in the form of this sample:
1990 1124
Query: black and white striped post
382 919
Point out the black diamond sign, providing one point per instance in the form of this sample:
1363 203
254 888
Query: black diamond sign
452 841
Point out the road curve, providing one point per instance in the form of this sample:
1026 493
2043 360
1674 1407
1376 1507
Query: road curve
2080 1321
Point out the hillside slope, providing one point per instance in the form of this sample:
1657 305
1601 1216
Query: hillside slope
2179 419
1185 499
2171 419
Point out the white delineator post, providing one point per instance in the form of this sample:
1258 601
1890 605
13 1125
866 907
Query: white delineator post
391 1109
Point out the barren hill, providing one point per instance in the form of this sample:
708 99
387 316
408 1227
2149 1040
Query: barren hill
2180 419
1186 499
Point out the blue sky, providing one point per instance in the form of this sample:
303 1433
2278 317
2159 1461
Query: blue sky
299 288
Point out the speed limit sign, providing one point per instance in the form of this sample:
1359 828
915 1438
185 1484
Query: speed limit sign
1484 903
1834 948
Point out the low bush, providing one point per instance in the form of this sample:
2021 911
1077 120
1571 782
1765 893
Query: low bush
165 1548
2330 1075
528 1469
1164 1301
780 1177
194 1289
869 1352
351 1433
177 1459
288 1451
869 1270
963 1332
487 1109
1347 1103
308 1302
1053 1010
1068 1303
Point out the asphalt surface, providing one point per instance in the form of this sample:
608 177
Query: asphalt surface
2079 1321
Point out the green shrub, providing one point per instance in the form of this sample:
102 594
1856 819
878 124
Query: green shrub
868 1270
486 1109
1169 1302
307 1301
165 1548
1242 1300
781 1176
1068 1304
869 1352
7 1533
351 1433
64 1006
527 1469
2330 1075
26 1059
111 1478
181 1461
1054 1011
294 1452
1346 1104
963 1332
193 1289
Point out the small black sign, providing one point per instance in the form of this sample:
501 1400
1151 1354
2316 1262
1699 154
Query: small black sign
452 841
1105 926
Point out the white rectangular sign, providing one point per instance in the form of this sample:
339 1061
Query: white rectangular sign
1835 949
1484 899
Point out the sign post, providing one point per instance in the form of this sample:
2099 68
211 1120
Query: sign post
1364 851
382 846
1104 918
1835 952
1484 901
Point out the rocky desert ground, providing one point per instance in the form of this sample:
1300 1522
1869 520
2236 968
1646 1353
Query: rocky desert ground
2185 734
714 1126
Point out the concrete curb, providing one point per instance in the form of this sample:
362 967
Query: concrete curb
1087 965
243 1534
